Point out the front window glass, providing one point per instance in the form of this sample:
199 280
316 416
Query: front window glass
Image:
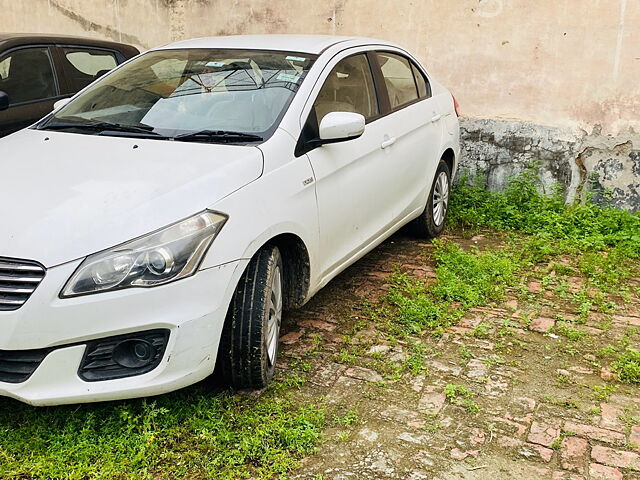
26 75
348 88
177 93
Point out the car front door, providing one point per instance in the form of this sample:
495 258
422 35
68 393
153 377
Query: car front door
27 76
413 130
349 175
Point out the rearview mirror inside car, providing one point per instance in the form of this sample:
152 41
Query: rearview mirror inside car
341 126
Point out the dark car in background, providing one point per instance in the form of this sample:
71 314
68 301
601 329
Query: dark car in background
37 70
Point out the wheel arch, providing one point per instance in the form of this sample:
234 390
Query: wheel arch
297 268
296 260
449 157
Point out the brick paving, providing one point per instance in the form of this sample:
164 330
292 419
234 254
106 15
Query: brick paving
538 418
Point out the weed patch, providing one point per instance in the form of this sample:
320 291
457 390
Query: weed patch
463 280
183 435
627 366
572 333
473 278
461 395
521 207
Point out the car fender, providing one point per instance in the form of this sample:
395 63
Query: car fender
452 142
281 201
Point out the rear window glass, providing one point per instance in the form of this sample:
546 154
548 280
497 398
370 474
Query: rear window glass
4 68
399 79
424 89
86 65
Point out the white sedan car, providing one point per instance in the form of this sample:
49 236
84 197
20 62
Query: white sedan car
158 224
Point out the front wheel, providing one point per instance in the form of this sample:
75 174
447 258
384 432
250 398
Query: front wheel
431 221
250 337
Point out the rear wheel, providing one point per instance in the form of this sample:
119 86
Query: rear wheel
250 337
431 222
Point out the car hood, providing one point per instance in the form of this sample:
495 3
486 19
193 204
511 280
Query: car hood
64 196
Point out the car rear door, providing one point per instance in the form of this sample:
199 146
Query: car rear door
413 132
349 175
28 77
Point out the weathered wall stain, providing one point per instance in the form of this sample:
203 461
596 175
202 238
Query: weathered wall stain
582 172
178 19
593 165
93 27
635 159
616 63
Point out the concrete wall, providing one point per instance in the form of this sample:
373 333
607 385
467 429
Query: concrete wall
537 68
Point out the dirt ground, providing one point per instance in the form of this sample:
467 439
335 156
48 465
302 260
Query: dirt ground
544 406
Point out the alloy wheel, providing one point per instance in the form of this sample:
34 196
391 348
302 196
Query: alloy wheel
440 198
275 315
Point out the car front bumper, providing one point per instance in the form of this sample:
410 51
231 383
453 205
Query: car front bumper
192 309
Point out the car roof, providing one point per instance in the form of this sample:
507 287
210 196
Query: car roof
10 40
314 44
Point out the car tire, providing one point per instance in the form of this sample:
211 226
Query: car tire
431 221
250 336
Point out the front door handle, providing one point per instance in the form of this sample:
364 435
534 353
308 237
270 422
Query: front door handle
435 118
388 143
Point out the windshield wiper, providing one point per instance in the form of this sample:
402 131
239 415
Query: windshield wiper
101 127
219 136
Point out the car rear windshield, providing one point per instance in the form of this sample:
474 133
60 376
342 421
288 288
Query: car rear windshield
177 92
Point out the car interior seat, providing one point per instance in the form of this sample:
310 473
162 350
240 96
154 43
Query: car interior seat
332 98
343 92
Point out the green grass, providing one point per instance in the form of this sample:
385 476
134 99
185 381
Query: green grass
415 362
603 392
583 253
482 330
417 308
522 208
462 396
190 434
565 329
463 280
627 366
473 278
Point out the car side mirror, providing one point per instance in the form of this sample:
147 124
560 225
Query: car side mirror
4 100
341 126
61 103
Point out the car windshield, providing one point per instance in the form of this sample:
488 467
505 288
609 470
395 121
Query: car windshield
190 95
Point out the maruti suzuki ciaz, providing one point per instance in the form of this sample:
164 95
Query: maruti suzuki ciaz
157 225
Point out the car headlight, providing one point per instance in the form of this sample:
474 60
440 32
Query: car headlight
161 257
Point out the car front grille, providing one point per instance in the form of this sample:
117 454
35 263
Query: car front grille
18 280
17 366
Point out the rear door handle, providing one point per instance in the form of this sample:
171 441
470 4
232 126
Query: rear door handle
435 118
388 143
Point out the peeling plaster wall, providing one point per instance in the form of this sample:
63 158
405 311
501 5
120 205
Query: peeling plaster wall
544 72
605 167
